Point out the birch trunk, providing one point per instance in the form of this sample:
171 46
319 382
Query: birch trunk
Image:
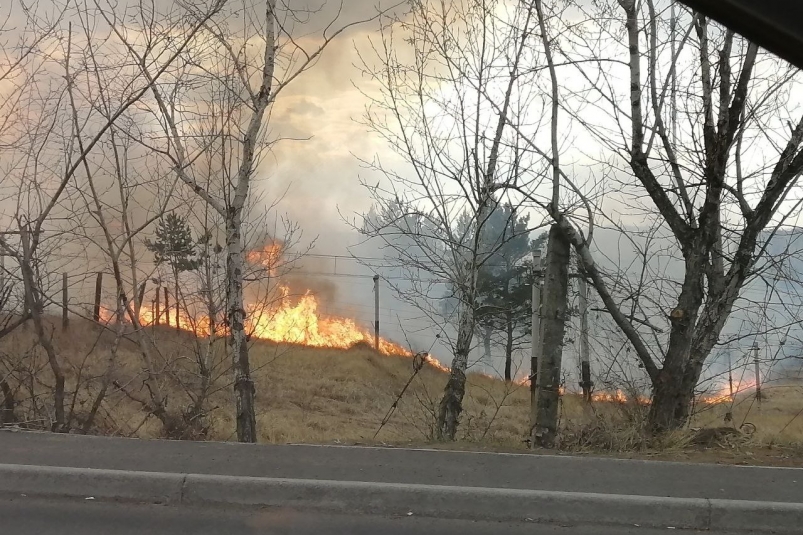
244 390
451 404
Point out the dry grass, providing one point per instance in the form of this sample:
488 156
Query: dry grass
325 396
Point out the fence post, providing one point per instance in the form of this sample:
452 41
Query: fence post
141 298
585 364
535 351
376 312
758 373
98 292
167 307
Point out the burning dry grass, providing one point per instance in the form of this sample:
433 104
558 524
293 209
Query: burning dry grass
335 395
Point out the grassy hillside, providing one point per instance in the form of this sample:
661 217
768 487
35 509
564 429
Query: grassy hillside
326 395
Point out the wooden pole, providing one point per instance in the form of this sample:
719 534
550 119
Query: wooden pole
141 297
98 292
376 312
585 365
65 319
157 312
729 412
758 373
535 351
730 375
178 303
167 307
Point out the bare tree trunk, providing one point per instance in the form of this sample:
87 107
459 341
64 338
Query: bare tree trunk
244 391
509 348
553 326
34 303
671 401
452 401
7 415
110 366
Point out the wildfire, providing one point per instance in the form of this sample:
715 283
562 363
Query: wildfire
724 394
268 256
303 324
286 322
618 396
610 397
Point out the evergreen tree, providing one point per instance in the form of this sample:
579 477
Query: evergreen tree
175 247
505 280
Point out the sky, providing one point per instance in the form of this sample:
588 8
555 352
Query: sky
319 175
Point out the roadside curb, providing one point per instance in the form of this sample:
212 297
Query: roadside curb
475 503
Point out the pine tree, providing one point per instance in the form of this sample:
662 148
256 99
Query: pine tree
504 284
174 246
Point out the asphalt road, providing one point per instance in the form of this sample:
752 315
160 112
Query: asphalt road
538 472
33 516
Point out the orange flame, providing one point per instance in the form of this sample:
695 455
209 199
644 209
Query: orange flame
268 256
301 323
618 396
724 393
610 397
285 322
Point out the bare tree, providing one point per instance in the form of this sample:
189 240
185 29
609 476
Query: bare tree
719 169
235 75
55 139
434 67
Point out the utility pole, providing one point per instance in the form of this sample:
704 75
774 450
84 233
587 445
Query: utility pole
376 312
758 372
585 365
536 338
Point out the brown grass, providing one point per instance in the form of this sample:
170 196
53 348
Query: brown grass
325 395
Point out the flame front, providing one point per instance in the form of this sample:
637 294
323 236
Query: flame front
286 322
723 396
301 323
